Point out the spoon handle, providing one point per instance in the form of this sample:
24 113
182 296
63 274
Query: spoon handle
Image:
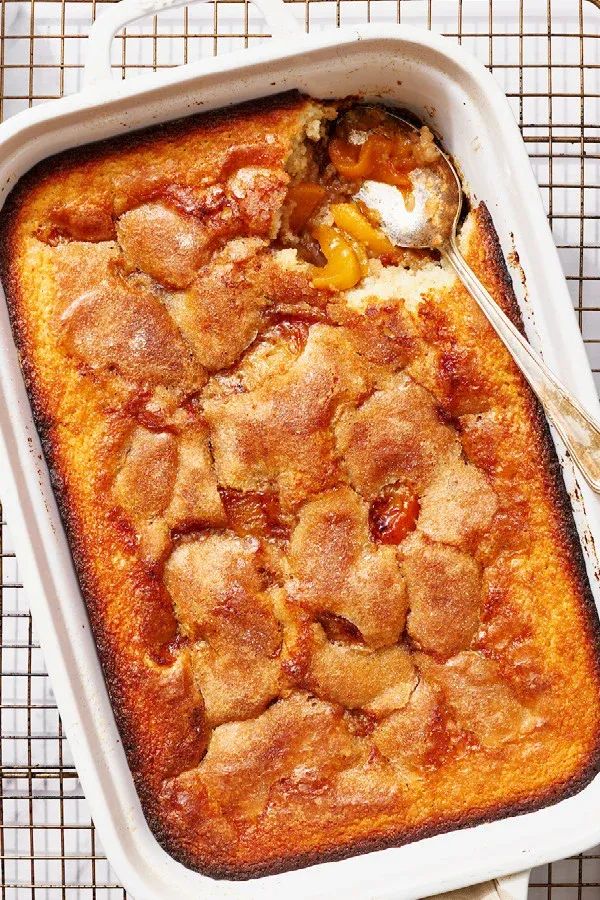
578 430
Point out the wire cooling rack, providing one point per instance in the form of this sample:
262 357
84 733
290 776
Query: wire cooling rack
546 56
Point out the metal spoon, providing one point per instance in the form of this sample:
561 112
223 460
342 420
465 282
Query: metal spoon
431 223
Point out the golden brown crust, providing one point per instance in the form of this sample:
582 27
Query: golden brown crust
289 687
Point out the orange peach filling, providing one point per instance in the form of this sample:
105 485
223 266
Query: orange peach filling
367 144
305 197
343 269
383 158
348 217
347 247
393 515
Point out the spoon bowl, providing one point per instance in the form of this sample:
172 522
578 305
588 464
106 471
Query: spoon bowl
428 218
426 222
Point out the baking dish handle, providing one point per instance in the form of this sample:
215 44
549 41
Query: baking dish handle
98 67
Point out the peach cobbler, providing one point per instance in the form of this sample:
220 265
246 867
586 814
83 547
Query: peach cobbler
315 511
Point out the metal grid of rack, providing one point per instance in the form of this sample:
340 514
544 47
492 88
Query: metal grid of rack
546 56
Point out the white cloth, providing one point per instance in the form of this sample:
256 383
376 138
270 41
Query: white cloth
488 891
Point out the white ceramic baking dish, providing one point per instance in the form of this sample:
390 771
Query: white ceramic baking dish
457 96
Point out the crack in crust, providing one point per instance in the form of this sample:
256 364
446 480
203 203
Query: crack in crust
291 683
